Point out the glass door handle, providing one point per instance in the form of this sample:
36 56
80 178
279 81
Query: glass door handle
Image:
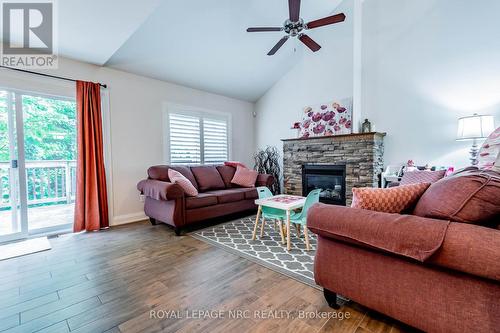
13 164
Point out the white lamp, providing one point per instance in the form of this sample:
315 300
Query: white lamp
475 127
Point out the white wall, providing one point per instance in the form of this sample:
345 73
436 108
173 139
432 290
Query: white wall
317 78
424 64
136 108
427 63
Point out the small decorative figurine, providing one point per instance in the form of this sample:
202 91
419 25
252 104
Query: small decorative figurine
366 127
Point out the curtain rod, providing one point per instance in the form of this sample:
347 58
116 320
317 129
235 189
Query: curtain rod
46 75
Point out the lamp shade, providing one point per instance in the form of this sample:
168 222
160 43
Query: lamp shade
475 127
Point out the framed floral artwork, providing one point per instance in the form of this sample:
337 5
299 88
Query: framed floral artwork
334 118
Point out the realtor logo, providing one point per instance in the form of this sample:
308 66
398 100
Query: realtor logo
28 34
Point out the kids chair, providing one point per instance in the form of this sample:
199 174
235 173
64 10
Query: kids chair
300 219
269 213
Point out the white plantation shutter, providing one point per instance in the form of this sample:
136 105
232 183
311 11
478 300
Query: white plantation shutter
215 141
185 143
197 139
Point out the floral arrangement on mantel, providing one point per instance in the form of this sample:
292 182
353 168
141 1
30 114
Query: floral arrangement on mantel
334 118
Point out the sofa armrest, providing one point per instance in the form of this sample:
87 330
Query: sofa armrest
159 190
472 249
264 180
406 235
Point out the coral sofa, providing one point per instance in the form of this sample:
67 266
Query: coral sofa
433 269
167 203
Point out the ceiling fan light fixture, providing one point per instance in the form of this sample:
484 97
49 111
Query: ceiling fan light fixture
294 27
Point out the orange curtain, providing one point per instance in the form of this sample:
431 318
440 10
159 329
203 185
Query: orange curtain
91 206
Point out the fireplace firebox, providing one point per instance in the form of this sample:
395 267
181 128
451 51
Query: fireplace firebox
329 178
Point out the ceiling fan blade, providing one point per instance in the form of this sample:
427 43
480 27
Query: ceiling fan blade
309 42
326 21
294 7
264 29
278 46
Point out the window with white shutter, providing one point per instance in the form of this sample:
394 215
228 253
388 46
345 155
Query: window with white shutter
185 144
197 138
215 147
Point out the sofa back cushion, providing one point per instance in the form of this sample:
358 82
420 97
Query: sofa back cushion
160 172
208 178
389 200
421 176
468 196
227 174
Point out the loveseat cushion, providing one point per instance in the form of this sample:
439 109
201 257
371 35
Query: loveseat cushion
251 193
227 173
201 200
226 196
406 235
470 196
471 249
208 178
160 172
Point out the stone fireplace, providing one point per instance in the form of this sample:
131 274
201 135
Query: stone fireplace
335 164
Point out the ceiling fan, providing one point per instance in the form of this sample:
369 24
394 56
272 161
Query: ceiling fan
295 25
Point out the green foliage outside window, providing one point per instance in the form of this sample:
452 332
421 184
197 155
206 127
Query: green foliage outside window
49 134
49 129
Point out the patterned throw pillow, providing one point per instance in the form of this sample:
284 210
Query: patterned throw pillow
489 154
422 176
245 177
388 200
177 178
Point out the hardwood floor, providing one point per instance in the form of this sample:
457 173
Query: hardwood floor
110 281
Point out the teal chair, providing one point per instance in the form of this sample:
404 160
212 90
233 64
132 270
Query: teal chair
269 214
300 219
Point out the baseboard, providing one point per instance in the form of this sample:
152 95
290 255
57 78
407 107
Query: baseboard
128 218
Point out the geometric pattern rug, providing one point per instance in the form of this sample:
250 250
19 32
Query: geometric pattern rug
268 251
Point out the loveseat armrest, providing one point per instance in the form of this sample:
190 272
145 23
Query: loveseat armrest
406 235
160 190
471 249
264 180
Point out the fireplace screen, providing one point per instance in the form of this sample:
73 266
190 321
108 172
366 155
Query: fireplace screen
329 178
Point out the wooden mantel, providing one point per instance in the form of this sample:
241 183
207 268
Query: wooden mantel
341 136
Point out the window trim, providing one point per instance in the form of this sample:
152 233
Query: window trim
171 108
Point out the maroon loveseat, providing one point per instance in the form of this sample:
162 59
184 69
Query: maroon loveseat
166 202
432 269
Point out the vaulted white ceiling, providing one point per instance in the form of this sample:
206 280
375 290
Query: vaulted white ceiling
197 43
93 30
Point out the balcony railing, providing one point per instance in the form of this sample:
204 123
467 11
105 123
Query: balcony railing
48 182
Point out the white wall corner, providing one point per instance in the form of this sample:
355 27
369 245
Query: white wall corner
357 64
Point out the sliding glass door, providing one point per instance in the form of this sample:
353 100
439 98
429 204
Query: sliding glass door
38 164
12 226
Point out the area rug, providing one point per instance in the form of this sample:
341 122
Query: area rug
268 251
23 248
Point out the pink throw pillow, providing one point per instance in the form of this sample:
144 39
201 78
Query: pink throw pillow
389 200
177 178
422 176
244 177
235 164
489 154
